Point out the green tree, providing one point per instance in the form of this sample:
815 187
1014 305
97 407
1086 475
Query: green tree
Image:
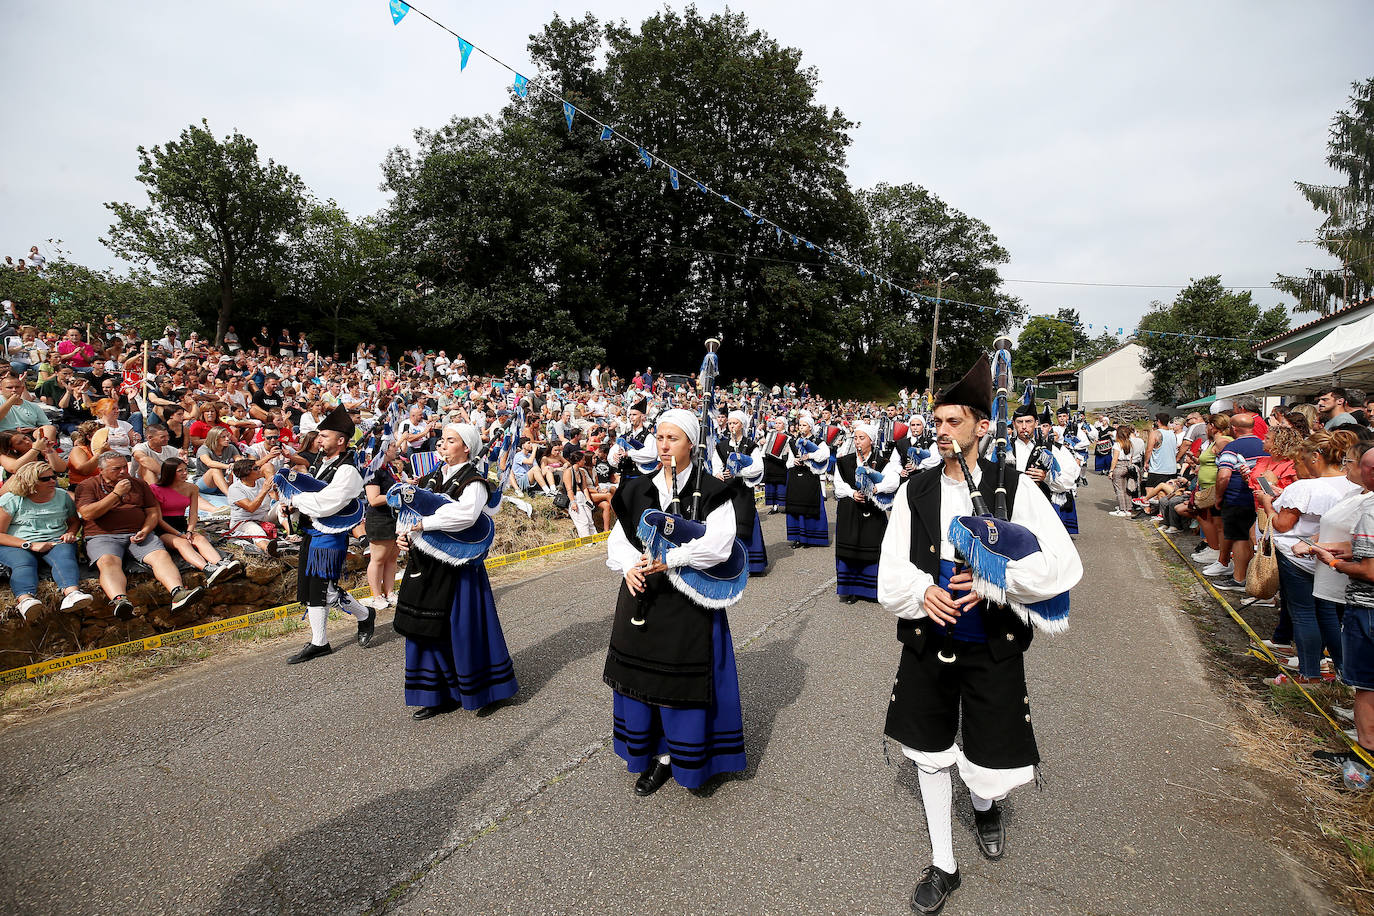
337 271
1190 366
1347 229
911 234
216 215
67 294
1043 343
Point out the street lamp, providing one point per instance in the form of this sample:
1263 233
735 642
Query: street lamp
935 326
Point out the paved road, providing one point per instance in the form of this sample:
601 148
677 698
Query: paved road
247 786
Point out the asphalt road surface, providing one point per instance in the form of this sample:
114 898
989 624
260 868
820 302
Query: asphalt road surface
246 786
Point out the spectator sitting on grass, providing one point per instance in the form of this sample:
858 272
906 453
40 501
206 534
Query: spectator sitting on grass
39 520
18 449
178 503
253 514
215 461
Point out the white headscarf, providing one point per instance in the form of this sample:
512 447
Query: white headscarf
868 429
471 436
741 416
683 420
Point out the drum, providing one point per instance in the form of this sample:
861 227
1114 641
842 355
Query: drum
778 445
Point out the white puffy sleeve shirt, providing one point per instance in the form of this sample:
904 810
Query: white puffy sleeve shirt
710 549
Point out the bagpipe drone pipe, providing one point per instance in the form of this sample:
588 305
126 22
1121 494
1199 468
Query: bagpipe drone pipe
413 503
989 542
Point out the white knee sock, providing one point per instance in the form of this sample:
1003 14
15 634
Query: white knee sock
345 602
318 616
979 802
937 795
664 758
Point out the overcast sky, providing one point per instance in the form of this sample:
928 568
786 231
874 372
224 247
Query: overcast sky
1103 142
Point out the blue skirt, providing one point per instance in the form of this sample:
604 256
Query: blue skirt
814 532
774 494
471 666
758 553
1103 464
1069 516
855 579
702 742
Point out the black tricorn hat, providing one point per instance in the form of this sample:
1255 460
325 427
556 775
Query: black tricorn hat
1024 410
338 420
974 390
642 405
1046 417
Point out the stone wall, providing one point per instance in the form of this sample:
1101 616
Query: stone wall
50 632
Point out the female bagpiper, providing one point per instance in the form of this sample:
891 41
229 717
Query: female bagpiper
861 489
456 653
739 462
807 524
671 662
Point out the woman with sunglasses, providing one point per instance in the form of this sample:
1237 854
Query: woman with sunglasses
38 520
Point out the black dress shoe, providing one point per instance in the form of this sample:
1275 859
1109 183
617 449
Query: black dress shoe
933 890
429 712
366 628
992 836
793 544
310 651
651 779
850 599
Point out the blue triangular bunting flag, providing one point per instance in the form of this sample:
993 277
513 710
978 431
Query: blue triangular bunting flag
568 114
606 132
464 51
762 221
672 177
648 159
747 213
778 230
702 188
522 86
398 11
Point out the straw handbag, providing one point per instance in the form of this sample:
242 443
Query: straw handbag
1262 576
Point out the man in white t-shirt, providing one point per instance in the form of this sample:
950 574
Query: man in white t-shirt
153 451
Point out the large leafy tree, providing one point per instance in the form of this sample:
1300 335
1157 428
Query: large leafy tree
67 294
216 215
1043 343
339 271
1347 228
1189 366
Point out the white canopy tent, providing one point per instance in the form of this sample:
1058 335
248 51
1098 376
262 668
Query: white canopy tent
1343 357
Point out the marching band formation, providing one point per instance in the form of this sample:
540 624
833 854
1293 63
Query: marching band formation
968 586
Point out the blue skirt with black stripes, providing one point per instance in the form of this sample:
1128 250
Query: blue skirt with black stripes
702 742
471 666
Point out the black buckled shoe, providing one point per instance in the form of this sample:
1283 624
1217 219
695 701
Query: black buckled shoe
933 890
366 628
429 712
992 835
651 779
310 651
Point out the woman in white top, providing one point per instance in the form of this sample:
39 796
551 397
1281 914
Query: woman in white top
1297 512
1333 534
114 434
1123 448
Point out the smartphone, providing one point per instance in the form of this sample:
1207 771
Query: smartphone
1266 486
1308 541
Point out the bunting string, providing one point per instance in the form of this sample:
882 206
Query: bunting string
523 85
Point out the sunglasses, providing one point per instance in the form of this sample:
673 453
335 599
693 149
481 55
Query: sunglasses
47 478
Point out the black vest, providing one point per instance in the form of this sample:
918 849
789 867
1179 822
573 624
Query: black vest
859 528
1006 634
745 447
667 661
424 602
897 448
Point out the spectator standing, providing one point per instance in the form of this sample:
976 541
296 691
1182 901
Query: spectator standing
1333 409
39 521
379 524
1237 501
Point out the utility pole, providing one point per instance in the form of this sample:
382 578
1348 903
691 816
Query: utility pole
935 327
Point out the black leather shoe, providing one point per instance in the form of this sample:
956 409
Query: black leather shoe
366 628
992 836
651 779
933 890
793 544
429 712
310 651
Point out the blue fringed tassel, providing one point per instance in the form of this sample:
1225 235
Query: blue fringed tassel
986 565
1052 614
327 555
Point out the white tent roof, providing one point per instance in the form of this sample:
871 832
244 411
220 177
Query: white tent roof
1343 357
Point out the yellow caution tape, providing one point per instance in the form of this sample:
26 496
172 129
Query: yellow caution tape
229 624
1261 651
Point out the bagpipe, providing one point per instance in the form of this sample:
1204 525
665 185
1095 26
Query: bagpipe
292 483
412 503
987 542
865 479
660 531
804 448
736 462
644 455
